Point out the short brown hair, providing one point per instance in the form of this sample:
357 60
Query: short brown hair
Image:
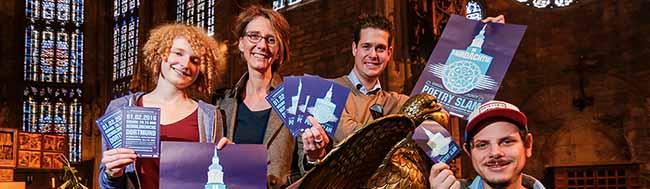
373 21
523 131
279 24
211 56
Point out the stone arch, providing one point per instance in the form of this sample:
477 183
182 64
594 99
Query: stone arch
577 142
602 132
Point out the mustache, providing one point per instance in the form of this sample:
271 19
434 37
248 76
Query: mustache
372 62
497 162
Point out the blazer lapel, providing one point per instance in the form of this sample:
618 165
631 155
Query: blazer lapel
272 128
231 105
275 122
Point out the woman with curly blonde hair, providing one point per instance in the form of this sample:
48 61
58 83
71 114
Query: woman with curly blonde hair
181 63
157 49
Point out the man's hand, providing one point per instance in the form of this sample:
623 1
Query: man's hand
116 160
441 177
499 19
314 140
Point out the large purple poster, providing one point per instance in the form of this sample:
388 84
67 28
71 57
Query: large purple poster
200 165
468 64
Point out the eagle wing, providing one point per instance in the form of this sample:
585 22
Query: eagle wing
406 166
354 161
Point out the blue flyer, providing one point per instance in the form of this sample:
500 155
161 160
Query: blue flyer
302 96
436 142
291 96
306 83
325 101
136 128
110 125
277 100
141 130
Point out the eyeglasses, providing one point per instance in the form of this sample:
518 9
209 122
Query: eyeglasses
255 37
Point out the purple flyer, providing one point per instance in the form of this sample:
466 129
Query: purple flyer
277 100
201 165
436 142
141 131
291 96
468 63
324 100
305 83
110 125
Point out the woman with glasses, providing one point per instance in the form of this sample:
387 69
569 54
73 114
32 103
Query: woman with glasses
264 45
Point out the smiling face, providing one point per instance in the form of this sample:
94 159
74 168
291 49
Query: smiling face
181 68
499 153
372 53
259 55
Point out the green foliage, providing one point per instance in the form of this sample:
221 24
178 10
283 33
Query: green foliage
72 181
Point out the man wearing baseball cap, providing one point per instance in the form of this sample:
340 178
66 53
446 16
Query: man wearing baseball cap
498 143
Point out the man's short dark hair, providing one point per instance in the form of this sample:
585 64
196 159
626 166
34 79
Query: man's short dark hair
523 131
373 21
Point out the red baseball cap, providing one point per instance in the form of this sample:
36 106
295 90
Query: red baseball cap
494 109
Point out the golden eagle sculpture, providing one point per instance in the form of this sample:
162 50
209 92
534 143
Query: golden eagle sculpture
381 154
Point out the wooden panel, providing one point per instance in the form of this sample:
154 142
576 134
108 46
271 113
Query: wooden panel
8 147
604 176
12 185
6 175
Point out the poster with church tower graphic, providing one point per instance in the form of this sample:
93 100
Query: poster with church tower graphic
201 165
468 63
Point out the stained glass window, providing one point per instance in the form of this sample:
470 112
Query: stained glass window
293 2
474 10
279 4
547 3
125 44
53 69
196 12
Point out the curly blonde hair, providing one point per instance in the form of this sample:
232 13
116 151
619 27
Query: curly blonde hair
211 56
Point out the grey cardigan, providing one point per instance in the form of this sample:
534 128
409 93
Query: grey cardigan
207 133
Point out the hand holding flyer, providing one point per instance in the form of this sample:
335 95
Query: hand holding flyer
436 142
299 97
136 128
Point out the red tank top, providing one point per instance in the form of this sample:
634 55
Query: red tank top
185 129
